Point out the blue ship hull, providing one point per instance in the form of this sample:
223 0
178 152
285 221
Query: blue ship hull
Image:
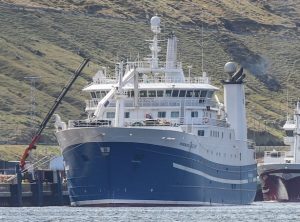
139 174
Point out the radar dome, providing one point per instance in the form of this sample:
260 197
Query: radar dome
155 21
230 67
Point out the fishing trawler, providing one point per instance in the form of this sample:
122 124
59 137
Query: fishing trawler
154 137
280 172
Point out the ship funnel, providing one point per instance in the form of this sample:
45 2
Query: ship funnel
234 100
297 133
173 69
171 58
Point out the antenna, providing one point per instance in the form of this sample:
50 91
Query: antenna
32 113
155 49
287 104
202 42
190 67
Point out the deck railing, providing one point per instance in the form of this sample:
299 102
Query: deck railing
156 102
193 80
144 66
149 122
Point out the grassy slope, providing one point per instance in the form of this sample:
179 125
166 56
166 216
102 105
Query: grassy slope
14 152
263 38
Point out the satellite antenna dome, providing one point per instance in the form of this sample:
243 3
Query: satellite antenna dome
230 68
155 21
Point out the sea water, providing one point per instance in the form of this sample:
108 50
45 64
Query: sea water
259 211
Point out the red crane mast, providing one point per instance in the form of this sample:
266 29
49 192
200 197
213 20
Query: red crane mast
57 101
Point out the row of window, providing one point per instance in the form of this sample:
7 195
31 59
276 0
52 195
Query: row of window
162 114
162 93
111 115
213 133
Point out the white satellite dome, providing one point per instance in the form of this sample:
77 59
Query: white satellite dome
230 67
155 21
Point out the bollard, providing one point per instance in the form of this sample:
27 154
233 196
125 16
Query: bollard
37 190
16 190
58 197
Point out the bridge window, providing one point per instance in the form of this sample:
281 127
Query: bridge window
98 94
131 93
194 114
189 93
143 93
210 94
197 93
103 93
160 93
93 95
203 93
182 93
200 132
161 114
175 93
275 154
110 115
168 93
152 93
174 114
289 133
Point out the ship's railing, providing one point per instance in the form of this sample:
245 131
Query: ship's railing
192 80
274 156
208 122
148 65
87 123
131 122
151 122
176 122
203 121
157 102
199 80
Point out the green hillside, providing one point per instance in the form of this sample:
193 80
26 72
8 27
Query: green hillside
48 39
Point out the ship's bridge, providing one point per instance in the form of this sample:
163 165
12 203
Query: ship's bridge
154 94
289 128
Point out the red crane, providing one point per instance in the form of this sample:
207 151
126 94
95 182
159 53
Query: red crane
57 101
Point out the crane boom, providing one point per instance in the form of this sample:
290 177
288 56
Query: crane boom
57 101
